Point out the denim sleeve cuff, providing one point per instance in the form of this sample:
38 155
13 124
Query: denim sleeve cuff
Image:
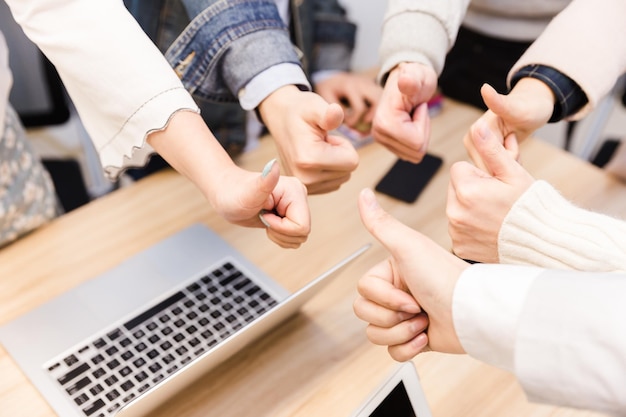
227 44
266 82
569 97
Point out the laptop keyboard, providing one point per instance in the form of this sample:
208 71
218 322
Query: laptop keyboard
114 367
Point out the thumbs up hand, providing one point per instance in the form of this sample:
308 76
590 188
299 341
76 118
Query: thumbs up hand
515 116
407 298
479 200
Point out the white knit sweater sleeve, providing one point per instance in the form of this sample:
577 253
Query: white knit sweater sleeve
544 229
419 31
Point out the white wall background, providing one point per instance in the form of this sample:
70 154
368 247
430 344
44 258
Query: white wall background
368 14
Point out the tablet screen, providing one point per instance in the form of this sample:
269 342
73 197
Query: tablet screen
400 395
395 404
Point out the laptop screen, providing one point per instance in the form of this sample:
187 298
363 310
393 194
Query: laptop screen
395 404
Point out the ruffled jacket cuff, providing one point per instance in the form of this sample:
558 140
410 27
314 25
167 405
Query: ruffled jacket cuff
128 148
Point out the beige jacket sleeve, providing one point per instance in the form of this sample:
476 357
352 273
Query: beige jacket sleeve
122 86
586 42
544 229
419 31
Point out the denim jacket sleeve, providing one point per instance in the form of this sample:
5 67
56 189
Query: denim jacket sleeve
226 44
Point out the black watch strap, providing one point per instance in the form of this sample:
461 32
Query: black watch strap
569 96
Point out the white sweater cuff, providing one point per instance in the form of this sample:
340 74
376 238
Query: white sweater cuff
544 229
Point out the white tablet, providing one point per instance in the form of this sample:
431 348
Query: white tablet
400 395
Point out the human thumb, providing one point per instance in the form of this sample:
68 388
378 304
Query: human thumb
495 101
498 161
266 182
383 226
332 117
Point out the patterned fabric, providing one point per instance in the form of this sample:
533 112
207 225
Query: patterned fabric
27 196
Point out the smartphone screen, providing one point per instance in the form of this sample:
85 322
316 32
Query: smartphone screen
405 180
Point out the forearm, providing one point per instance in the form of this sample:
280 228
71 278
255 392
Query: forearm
188 146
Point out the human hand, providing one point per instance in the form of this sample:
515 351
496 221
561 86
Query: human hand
236 194
358 92
514 116
419 277
401 122
299 121
268 200
479 200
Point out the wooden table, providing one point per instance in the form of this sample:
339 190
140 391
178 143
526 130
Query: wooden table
319 363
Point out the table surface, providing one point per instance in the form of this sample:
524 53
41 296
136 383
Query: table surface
318 363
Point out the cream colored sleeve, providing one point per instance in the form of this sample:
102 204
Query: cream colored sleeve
419 31
584 41
487 303
560 332
122 86
544 229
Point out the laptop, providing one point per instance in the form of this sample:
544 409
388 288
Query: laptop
123 342
400 395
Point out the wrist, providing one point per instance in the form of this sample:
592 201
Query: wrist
538 96
275 103
393 73
188 145
568 96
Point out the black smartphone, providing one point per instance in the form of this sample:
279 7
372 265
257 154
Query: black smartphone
405 180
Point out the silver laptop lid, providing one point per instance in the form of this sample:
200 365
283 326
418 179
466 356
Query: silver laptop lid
54 343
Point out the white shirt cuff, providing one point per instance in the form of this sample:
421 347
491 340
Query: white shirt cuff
487 303
268 81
